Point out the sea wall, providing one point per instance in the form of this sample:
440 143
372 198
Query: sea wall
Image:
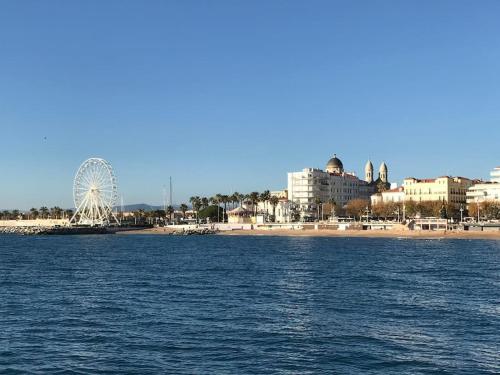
45 223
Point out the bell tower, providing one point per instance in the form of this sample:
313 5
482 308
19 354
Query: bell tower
369 172
383 173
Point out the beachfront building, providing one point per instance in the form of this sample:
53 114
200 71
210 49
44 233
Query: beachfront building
495 175
483 191
264 210
281 210
334 184
395 195
239 215
451 190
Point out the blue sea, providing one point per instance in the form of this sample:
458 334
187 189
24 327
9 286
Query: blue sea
116 304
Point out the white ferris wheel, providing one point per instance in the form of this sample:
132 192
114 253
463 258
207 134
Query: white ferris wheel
95 193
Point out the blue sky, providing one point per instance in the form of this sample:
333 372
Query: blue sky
230 95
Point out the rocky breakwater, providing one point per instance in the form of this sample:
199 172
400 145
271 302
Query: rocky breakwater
40 230
24 230
192 232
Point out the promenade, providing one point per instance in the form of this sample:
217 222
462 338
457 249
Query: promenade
309 231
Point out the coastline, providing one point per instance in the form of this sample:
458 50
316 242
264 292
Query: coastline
473 235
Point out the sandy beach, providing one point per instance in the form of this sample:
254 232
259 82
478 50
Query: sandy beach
491 235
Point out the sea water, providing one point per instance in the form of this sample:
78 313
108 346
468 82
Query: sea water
120 304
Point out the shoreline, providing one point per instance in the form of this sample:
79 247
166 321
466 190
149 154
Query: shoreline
472 235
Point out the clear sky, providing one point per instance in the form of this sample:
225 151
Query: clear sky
230 95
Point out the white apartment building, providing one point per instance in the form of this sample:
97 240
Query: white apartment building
485 191
395 195
495 175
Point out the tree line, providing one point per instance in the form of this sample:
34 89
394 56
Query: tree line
487 210
214 207
234 200
37 213
358 208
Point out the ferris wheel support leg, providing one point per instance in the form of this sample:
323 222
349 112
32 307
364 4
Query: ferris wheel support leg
78 209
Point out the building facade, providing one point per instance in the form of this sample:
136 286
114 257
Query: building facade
485 191
495 175
447 189
396 195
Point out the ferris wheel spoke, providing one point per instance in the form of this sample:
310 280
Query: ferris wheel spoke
86 179
97 180
104 177
106 191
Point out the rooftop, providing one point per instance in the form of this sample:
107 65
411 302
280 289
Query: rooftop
395 190
430 180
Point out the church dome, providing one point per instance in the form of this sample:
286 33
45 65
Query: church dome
383 167
334 165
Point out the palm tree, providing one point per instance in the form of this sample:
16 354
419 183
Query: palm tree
69 213
235 198
170 211
196 204
216 200
5 215
264 197
55 212
34 213
15 214
183 207
219 198
225 200
157 215
245 199
137 216
204 202
44 212
318 202
192 200
240 198
274 202
254 199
